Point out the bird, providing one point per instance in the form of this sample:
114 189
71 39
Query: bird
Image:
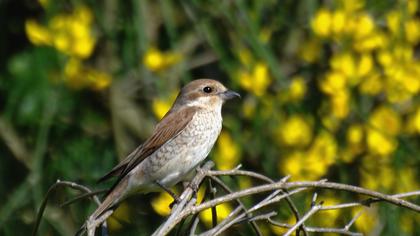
181 140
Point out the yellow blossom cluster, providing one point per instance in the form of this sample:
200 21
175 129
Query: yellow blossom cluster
161 206
374 59
313 162
227 153
79 76
295 92
156 60
72 35
253 75
69 33
161 105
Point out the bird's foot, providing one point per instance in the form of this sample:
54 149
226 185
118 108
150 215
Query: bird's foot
193 186
173 195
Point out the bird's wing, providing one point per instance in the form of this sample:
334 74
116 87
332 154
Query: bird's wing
116 171
168 128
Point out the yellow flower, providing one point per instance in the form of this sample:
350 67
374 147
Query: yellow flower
365 65
120 215
37 34
364 26
412 31
393 20
379 143
98 80
248 107
227 154
312 164
323 149
355 134
321 23
345 63
280 230
297 89
371 42
385 58
368 219
334 81
371 85
377 173
161 204
347 155
384 125
386 120
352 6
223 210
161 106
156 60
407 180
338 23
340 104
72 33
412 6
402 82
257 81
403 53
74 74
355 143
68 33
327 218
295 131
78 76
292 164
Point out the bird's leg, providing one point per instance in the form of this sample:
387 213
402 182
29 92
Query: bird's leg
173 195
194 187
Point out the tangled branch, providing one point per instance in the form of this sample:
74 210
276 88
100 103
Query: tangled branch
275 191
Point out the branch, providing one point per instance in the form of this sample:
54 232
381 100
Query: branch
186 201
57 184
275 192
185 208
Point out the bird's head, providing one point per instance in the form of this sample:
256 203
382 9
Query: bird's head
204 93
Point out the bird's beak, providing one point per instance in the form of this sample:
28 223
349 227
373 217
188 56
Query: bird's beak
229 94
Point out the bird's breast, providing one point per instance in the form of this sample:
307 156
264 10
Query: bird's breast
176 158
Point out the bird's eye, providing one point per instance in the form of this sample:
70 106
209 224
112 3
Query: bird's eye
207 89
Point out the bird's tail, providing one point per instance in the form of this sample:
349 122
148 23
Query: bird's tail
112 199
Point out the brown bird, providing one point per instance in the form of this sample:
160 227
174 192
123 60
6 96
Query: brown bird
179 143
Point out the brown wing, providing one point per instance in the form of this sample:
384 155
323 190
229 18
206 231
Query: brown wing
116 171
168 128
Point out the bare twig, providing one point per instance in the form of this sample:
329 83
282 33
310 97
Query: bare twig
227 189
196 220
59 183
185 197
311 212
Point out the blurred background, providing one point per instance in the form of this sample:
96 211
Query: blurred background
330 89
